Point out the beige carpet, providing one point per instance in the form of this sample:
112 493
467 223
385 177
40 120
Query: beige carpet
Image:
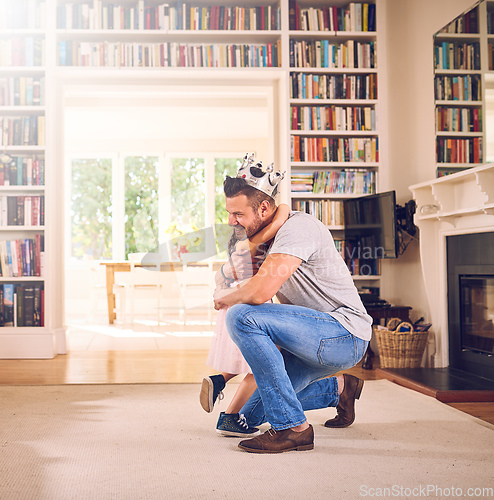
155 442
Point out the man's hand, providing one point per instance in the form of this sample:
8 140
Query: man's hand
277 268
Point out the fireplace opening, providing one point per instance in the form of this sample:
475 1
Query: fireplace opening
477 313
470 265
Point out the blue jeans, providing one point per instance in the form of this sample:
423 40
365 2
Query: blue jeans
291 350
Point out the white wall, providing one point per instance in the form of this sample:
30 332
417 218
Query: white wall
411 25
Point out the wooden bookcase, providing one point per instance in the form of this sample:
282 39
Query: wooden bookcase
460 63
23 318
150 40
334 122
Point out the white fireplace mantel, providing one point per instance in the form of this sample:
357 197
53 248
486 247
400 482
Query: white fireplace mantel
460 203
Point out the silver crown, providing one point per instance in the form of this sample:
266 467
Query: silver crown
265 181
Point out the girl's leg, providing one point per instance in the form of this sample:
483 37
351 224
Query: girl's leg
242 394
228 376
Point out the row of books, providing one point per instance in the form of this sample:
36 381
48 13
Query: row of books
329 212
338 149
21 304
22 131
490 56
323 54
459 150
490 22
457 55
354 17
358 266
466 23
22 91
22 210
22 51
169 54
308 86
458 88
333 118
23 171
22 14
458 119
22 257
167 16
441 172
344 181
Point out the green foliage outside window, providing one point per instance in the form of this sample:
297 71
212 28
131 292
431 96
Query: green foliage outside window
91 209
222 168
141 204
91 205
188 204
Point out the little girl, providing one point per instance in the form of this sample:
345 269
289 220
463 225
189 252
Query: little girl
224 355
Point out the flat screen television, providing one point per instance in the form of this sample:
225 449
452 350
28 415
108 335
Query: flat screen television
370 226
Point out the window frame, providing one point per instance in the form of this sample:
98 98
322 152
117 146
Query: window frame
164 192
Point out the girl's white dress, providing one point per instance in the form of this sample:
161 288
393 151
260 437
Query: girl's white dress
224 355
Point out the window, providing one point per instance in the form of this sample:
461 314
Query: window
141 203
91 208
131 203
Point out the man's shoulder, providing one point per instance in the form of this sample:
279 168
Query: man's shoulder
302 218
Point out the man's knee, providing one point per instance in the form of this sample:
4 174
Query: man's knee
236 318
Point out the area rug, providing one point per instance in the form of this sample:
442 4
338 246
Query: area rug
155 442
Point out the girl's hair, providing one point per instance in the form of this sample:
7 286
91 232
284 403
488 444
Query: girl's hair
233 241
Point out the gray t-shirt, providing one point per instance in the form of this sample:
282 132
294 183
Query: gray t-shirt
322 281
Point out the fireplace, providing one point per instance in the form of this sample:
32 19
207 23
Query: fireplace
455 215
470 285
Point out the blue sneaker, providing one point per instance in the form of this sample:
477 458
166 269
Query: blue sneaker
211 391
233 424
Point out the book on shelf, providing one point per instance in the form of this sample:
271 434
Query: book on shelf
22 131
22 14
167 16
22 257
21 305
23 171
457 55
356 16
169 54
334 149
329 212
8 304
321 86
342 181
22 51
452 150
466 23
22 91
458 88
332 117
359 258
324 54
22 210
450 119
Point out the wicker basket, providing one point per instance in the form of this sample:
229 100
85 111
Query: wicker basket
400 349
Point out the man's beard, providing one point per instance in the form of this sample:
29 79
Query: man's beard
255 227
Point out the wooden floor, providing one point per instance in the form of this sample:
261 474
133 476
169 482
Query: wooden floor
187 365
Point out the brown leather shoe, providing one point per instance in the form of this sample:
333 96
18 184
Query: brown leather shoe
279 441
346 406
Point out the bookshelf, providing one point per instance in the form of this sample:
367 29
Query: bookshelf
460 61
326 87
334 126
22 179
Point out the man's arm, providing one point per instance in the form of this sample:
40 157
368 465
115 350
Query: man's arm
275 270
